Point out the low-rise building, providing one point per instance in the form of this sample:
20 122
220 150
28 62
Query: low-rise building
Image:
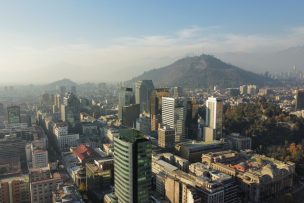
66 193
260 178
201 184
193 150
166 137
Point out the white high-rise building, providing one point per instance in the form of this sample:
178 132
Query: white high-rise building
168 106
214 119
174 116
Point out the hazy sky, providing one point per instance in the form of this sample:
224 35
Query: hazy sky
87 40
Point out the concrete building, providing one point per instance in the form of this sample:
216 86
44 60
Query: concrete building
260 178
70 112
89 128
143 90
43 184
39 158
193 150
132 166
66 193
64 139
214 119
207 185
168 114
156 106
99 178
166 137
174 115
13 114
15 189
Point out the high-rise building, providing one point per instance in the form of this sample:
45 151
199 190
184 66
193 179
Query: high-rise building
130 114
125 98
174 115
70 111
143 124
177 92
214 119
132 167
156 106
299 99
143 90
168 115
180 122
13 114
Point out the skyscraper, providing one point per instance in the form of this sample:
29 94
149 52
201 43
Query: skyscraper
177 92
143 90
125 98
129 115
214 119
174 115
168 107
156 106
132 169
13 114
70 111
299 99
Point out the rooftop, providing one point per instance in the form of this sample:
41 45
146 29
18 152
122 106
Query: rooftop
130 135
168 167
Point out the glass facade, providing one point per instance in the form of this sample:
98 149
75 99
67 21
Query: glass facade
132 168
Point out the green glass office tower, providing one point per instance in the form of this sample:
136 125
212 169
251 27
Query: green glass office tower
132 168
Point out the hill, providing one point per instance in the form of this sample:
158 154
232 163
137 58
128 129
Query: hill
203 71
64 82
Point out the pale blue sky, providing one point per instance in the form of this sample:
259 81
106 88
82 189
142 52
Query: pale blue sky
97 40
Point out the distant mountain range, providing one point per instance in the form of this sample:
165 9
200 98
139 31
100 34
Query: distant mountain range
203 71
274 62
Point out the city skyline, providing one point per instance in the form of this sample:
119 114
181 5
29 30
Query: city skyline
111 41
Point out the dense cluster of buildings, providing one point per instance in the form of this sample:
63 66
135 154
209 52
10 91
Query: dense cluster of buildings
157 145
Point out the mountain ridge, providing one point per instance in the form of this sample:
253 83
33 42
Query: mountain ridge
202 71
